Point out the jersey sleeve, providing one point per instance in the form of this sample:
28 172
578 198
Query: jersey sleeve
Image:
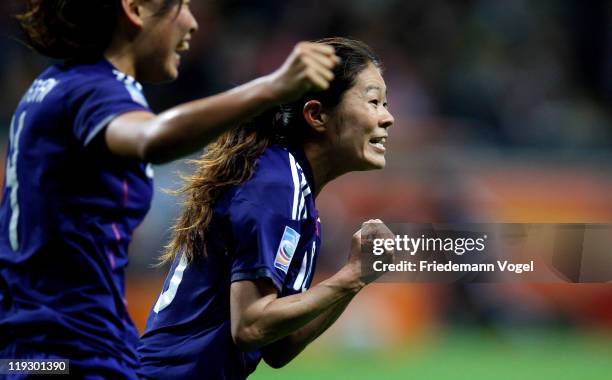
98 102
265 241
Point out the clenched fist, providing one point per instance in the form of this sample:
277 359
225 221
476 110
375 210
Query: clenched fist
309 67
361 258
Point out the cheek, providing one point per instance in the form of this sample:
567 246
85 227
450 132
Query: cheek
349 133
167 31
158 40
353 127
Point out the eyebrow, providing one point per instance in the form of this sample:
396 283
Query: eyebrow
374 87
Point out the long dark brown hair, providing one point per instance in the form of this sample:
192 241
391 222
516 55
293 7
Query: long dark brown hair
232 159
73 29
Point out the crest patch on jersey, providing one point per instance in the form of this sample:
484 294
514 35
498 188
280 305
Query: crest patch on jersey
286 249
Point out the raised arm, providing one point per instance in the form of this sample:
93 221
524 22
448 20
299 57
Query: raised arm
283 327
188 127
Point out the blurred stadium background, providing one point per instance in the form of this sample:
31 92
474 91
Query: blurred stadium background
502 115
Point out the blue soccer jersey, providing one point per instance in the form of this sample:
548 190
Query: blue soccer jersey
266 228
68 211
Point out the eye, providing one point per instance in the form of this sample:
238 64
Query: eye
375 102
386 104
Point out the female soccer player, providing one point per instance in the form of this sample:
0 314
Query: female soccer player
77 181
245 248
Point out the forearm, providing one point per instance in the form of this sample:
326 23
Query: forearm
284 350
186 128
268 321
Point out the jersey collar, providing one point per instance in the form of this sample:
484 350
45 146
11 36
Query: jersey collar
300 157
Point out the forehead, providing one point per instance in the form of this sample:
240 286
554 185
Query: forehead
370 79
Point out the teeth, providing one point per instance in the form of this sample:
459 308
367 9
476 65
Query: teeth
183 46
379 140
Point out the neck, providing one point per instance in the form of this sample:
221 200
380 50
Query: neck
120 54
322 164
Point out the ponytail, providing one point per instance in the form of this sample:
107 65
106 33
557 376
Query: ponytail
230 161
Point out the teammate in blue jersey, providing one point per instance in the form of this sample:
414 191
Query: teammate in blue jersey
77 177
245 248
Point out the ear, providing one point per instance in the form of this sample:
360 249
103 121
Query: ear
315 116
132 11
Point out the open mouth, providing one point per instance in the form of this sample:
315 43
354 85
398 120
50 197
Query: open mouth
379 143
182 47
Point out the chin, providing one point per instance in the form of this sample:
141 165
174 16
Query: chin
168 77
379 165
162 76
374 164
170 73
173 76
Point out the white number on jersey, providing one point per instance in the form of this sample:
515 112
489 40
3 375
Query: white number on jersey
166 297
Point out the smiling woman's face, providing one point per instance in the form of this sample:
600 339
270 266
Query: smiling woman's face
164 38
359 124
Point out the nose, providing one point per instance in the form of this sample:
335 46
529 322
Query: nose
192 22
386 119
